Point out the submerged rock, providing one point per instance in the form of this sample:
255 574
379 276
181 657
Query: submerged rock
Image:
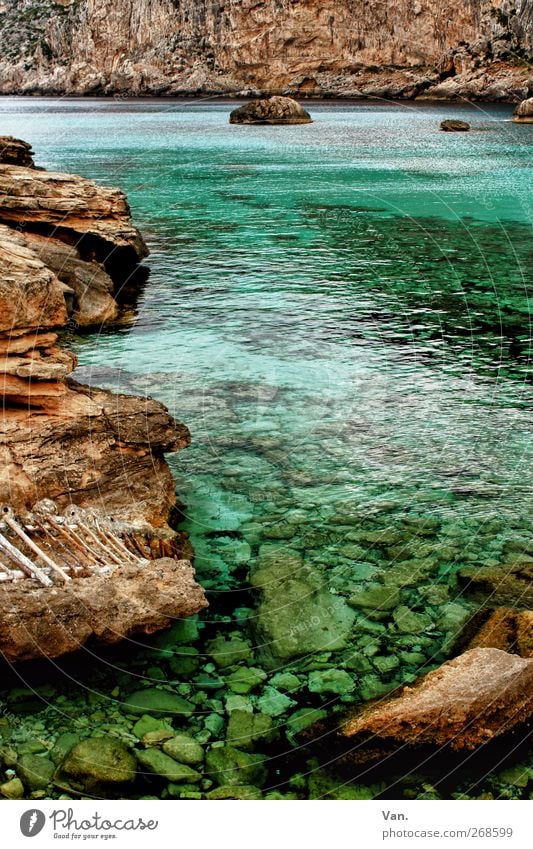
241 792
297 614
12 789
231 767
35 772
245 729
156 702
523 113
184 749
472 700
452 125
330 682
163 765
509 583
99 760
272 110
506 629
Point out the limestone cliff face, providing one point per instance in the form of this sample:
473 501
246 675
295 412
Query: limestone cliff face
476 48
66 246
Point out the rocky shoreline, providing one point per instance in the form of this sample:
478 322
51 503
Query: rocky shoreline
67 252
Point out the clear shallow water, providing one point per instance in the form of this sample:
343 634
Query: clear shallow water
339 312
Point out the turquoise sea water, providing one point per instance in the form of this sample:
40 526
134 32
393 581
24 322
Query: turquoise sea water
339 312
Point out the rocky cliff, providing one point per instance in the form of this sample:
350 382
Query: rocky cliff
409 48
67 248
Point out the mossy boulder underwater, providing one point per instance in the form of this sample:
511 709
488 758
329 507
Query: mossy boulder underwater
99 761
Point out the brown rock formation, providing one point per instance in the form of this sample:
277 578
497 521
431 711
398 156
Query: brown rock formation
468 702
73 244
91 448
510 583
40 622
15 152
80 231
272 110
523 113
350 48
60 440
453 126
506 629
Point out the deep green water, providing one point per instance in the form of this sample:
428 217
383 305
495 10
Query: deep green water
339 312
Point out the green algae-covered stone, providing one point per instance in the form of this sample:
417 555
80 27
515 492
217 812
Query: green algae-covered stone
35 772
184 661
386 663
297 614
330 682
13 789
148 724
230 767
304 718
157 703
245 679
184 749
410 622
274 703
163 765
324 786
376 597
228 652
183 631
287 682
242 792
62 746
100 760
246 729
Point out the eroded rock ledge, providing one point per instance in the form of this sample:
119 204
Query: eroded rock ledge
67 247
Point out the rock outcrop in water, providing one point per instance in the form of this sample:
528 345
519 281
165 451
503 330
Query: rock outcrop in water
272 110
67 247
523 113
480 696
452 125
349 48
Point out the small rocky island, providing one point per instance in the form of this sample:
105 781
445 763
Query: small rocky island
271 110
523 113
85 491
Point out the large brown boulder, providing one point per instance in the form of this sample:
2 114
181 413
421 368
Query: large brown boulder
272 110
523 113
480 696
